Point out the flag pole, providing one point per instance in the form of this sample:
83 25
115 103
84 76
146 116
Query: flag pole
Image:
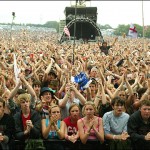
74 43
143 19
10 38
143 27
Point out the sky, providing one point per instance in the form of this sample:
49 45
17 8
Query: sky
109 12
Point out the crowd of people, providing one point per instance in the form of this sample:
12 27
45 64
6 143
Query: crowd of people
39 99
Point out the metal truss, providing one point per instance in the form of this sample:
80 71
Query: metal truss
82 20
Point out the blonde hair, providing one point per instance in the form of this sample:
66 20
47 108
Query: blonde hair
52 106
24 96
89 103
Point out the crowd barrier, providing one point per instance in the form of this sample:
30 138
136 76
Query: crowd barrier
67 145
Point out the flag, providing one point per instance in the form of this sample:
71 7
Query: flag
66 30
132 31
16 69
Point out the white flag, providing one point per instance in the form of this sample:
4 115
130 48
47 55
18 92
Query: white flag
66 30
132 31
16 69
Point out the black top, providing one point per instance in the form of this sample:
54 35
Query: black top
137 128
105 49
7 126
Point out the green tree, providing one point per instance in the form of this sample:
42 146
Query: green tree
52 24
121 29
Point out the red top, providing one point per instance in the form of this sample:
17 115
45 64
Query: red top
24 119
71 127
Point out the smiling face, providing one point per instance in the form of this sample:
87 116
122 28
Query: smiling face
46 97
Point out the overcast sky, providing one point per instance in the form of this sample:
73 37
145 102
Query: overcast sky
109 12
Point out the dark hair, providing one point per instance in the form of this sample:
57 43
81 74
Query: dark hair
145 102
104 42
73 105
36 82
117 100
2 101
141 91
94 81
52 72
21 91
131 81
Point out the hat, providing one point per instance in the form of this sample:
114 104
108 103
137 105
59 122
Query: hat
82 80
46 89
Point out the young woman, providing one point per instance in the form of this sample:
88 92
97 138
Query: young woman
71 130
53 127
90 126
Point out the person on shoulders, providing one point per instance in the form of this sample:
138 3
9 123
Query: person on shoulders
105 48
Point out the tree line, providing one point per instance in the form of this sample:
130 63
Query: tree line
121 28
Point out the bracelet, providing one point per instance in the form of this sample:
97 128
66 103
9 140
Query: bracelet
114 137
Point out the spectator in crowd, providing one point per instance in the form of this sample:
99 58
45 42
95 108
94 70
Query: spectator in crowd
46 97
27 121
115 126
71 130
105 48
72 95
53 127
7 129
139 127
123 70
90 126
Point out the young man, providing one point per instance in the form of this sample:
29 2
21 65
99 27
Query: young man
139 127
27 121
105 48
115 125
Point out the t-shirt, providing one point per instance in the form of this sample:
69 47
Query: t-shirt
71 127
115 124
